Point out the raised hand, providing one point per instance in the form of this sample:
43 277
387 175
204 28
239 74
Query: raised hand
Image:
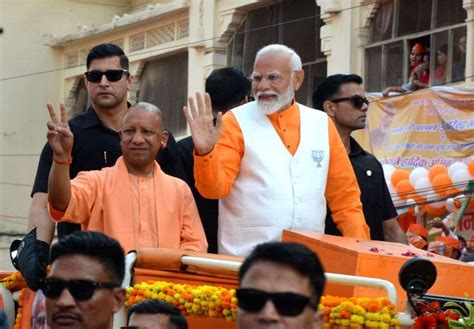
60 137
201 122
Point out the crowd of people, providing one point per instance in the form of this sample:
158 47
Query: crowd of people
249 170
419 67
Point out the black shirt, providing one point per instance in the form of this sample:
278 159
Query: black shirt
207 208
95 147
375 197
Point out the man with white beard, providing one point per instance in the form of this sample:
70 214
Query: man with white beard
273 163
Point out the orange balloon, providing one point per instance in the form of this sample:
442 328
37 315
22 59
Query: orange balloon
435 212
399 175
436 170
470 167
404 189
442 184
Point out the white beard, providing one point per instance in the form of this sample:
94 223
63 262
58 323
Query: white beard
269 107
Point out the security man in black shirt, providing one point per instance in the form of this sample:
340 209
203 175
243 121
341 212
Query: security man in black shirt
228 87
96 145
342 97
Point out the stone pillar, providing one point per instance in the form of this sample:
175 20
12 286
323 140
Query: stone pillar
196 47
337 41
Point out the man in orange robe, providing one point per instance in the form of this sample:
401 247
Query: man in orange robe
133 201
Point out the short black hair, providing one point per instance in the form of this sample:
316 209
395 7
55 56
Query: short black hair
227 87
331 86
156 306
106 250
106 50
294 255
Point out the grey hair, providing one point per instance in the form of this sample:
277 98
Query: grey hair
148 107
295 60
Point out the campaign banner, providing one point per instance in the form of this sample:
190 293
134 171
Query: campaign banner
420 129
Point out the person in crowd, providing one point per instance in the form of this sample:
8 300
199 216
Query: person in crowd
155 314
343 99
134 201
418 73
445 246
83 287
460 66
273 163
446 232
227 87
96 145
417 236
441 70
438 223
280 287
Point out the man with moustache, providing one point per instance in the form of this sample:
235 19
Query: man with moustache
83 288
273 163
280 287
342 98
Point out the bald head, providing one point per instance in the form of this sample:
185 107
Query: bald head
142 137
281 50
145 107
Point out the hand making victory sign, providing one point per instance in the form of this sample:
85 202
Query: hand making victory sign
201 122
60 137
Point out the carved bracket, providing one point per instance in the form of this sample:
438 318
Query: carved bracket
229 21
368 10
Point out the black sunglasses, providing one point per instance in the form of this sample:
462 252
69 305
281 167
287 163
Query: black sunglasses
356 100
81 290
286 303
111 75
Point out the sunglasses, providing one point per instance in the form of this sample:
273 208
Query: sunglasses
356 100
111 75
80 290
286 303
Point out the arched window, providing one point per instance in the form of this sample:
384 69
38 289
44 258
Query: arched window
294 23
81 99
438 25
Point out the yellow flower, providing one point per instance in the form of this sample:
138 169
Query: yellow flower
359 310
371 324
385 318
372 316
357 319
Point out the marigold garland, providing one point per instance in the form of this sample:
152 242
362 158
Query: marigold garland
21 300
14 282
201 301
218 302
358 313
